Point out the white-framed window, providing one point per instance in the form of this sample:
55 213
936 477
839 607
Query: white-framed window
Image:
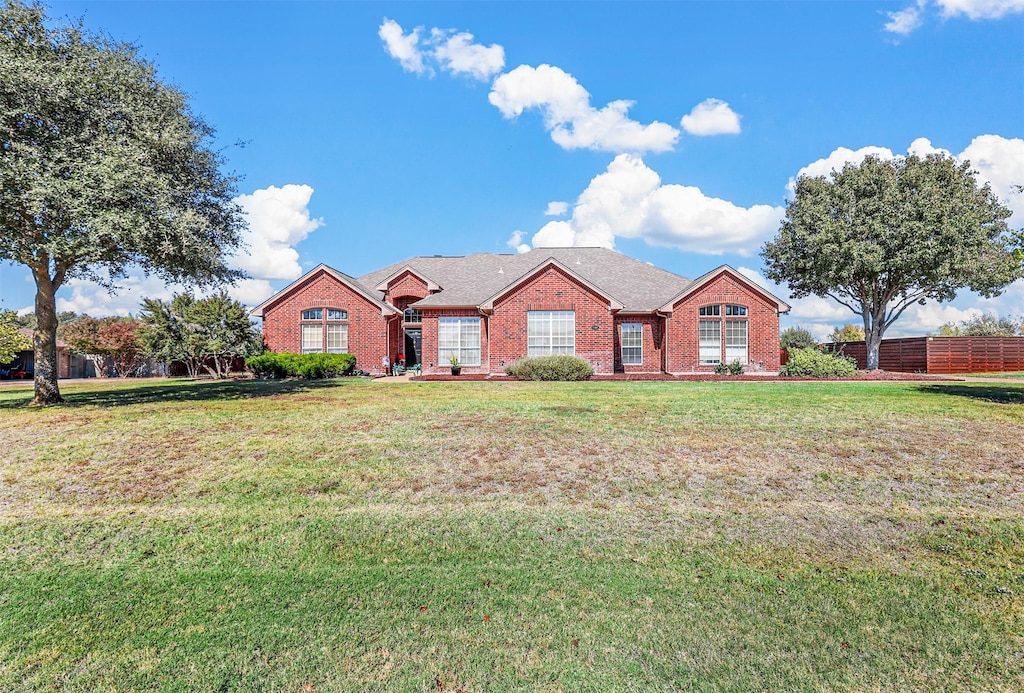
551 332
312 338
461 337
337 338
711 311
313 314
632 344
412 315
735 310
736 341
710 335
337 314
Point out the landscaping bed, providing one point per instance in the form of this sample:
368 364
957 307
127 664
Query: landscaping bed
698 377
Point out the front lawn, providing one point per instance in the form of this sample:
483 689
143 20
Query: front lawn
613 536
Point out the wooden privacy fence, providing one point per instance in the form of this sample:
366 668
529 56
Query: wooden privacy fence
942 354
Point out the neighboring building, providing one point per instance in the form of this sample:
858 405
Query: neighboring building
490 310
24 364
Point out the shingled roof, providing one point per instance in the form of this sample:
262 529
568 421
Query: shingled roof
472 279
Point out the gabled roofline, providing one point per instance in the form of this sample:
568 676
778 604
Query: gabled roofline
348 281
431 284
701 281
613 303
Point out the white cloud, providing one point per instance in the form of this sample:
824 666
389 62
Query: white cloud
515 242
998 161
457 54
981 9
278 220
452 51
628 200
711 117
556 208
401 46
568 115
905 21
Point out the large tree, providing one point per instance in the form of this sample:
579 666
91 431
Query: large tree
99 338
12 340
208 333
103 170
881 235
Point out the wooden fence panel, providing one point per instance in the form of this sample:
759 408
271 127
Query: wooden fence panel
942 355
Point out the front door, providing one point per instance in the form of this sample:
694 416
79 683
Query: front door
413 345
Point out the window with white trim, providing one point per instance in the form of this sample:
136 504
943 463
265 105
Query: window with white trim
461 337
312 338
715 310
551 332
337 338
313 314
337 314
736 341
632 342
710 332
735 310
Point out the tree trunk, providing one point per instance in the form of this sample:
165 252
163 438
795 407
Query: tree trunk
44 342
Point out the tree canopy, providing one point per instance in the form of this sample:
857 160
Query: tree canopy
204 333
847 333
985 325
12 340
104 169
797 338
881 235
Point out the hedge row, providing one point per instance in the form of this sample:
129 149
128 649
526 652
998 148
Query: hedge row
285 365
551 368
815 363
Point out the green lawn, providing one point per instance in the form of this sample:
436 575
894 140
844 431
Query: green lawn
614 536
1000 374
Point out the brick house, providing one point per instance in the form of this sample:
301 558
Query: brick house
620 314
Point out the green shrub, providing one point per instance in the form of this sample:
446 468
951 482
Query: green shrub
735 368
312 366
797 338
551 368
815 363
721 369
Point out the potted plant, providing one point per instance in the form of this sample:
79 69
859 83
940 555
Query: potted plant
456 367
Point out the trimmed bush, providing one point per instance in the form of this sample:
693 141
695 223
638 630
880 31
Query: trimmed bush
797 338
815 363
721 369
551 368
311 366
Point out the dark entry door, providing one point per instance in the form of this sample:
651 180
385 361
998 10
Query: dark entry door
413 345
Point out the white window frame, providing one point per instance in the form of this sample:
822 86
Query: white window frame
313 314
709 341
459 336
736 341
631 342
550 333
337 314
337 338
312 331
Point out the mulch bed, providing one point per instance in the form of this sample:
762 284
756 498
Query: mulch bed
697 377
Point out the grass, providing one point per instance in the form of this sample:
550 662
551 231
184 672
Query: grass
617 536
1000 374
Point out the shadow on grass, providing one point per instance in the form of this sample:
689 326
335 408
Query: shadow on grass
1000 394
184 391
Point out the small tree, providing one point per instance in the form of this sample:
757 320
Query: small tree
12 340
103 168
202 334
883 235
797 338
985 325
847 333
99 338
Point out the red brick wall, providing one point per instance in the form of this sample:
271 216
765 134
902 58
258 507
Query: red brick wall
406 288
762 317
653 343
367 327
552 289
430 361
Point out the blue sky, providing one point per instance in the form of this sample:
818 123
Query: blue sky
670 131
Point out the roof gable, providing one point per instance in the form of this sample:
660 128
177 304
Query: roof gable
488 303
348 281
431 284
705 279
